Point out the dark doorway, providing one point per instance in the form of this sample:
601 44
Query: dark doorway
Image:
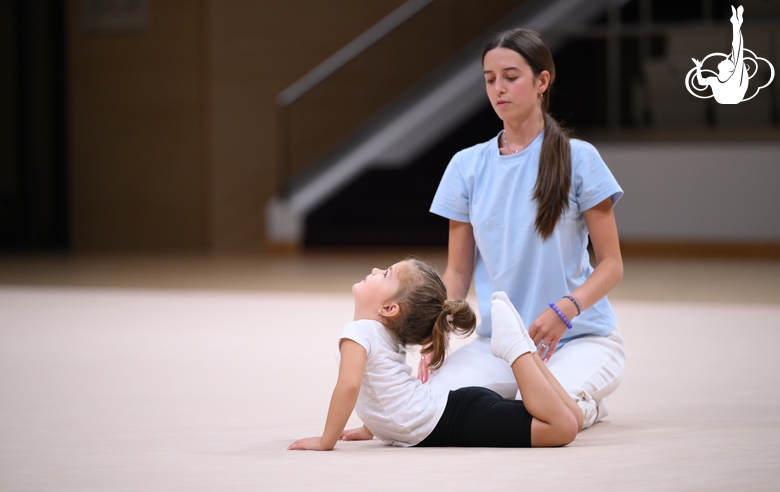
33 127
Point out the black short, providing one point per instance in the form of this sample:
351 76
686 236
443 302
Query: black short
479 417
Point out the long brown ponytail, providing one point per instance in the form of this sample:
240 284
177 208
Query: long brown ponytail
553 181
426 316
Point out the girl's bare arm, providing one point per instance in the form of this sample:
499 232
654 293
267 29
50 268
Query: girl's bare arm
345 394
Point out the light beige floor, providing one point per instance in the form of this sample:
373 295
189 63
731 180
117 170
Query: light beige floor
194 374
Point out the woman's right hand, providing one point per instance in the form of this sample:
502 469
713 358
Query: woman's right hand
422 370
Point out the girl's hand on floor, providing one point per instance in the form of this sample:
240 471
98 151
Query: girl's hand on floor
310 444
359 434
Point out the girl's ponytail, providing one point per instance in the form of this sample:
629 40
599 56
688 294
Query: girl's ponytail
426 316
456 316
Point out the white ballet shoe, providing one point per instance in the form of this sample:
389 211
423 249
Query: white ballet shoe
502 295
507 341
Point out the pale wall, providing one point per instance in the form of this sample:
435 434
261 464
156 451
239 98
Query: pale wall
717 192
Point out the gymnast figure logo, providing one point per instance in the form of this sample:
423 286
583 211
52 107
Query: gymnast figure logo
730 84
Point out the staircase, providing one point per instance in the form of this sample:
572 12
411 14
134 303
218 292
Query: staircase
372 183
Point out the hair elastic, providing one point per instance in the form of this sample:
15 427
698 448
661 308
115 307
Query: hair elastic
576 303
560 314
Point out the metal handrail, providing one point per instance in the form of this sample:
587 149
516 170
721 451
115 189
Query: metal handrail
377 139
350 51
324 70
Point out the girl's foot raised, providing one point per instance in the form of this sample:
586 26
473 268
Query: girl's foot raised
502 295
507 341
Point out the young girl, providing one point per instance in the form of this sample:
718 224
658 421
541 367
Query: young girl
407 305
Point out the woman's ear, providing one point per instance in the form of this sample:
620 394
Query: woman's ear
544 81
390 310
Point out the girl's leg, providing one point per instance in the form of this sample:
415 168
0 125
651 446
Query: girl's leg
474 365
592 364
555 422
562 394
479 417
565 397
589 369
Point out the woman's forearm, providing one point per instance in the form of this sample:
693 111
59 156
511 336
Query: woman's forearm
609 262
604 278
460 260
457 283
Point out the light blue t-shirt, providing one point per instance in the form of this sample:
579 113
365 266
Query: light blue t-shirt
494 193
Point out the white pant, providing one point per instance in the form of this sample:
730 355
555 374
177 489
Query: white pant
592 364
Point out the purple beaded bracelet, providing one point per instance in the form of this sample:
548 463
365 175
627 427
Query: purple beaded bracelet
560 313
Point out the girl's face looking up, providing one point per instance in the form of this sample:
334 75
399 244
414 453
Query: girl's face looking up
376 291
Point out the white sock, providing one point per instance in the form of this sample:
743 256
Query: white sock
502 295
507 341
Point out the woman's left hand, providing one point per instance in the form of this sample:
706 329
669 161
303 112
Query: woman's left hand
310 444
548 329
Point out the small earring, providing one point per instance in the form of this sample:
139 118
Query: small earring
541 97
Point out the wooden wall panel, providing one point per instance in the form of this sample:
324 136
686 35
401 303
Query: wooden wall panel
173 128
255 50
135 124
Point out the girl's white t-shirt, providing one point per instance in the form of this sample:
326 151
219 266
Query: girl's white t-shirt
396 407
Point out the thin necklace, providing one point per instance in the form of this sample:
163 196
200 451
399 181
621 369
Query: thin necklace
506 144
